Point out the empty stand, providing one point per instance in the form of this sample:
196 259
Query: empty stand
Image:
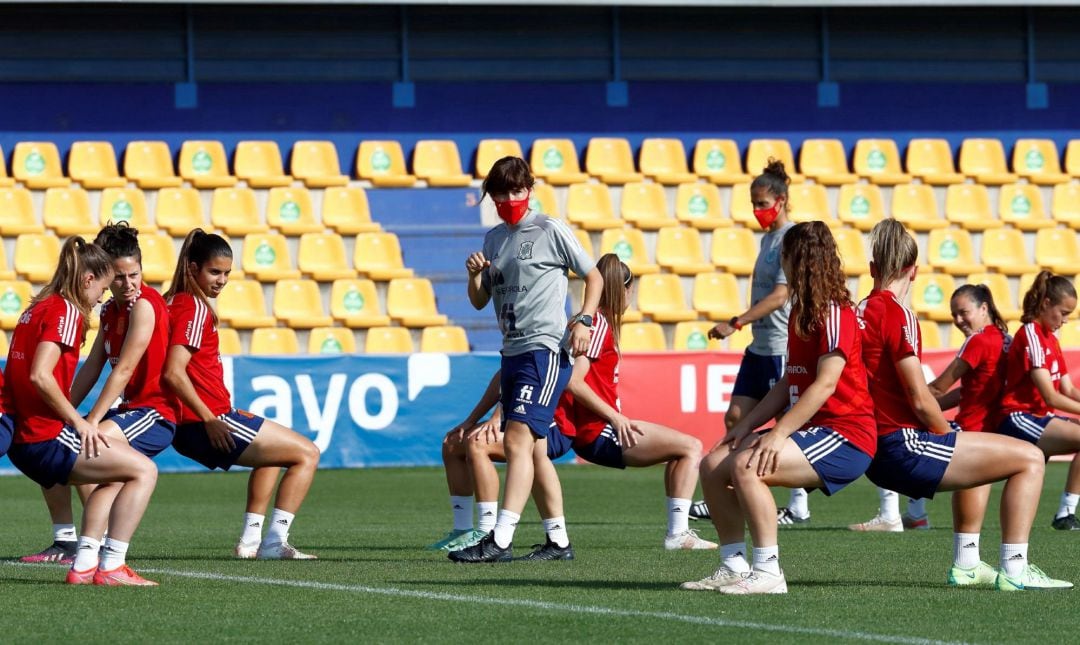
438 163
664 161
1037 161
158 256
644 205
297 303
716 296
274 341
629 245
734 250
36 164
450 339
589 206
93 164
355 303
149 164
951 251
556 162
860 205
611 161
316 164
661 297
241 305
411 302
699 205
67 211
968 205
235 211
383 164
290 211
388 340
1022 206
331 340
642 337
760 151
984 161
378 256
18 216
679 250
999 290
852 251
916 206
259 164
346 210
825 161
878 160
15 296
1004 251
204 164
930 295
719 161
931 160
267 258
1057 250
491 150
693 336
125 205
179 210
322 256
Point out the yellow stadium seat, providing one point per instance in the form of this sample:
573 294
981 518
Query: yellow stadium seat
378 256
611 161
267 258
331 340
1026 280
968 205
931 160
661 297
718 160
586 243
1004 251
1069 335
809 202
760 151
556 162
664 161
149 164
956 337
411 303
36 164
716 296
274 341
699 205
6 273
916 206
67 211
543 200
693 336
17 213
734 250
383 164
642 337
179 210
632 314
6 181
448 339
931 334
93 164
259 164
984 161
644 205
629 245
878 161
1072 158
852 251
1056 249
999 290
345 209
355 303
158 256
235 211
742 208
241 305
825 161
125 205
864 287
36 256
229 342
289 210
88 340
204 164
1065 205
589 206
297 303
438 163
951 251
679 250
4 346
930 296
1022 206
388 340
491 150
316 164
740 340
1037 161
859 205
322 257
1013 326
15 296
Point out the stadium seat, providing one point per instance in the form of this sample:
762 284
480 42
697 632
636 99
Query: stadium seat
825 161
931 160
586 243
204 164
1004 251
984 161
693 336
289 210
644 205
438 163
632 314
158 256
864 287
999 290
355 303
322 257
664 161
36 164
588 206
67 211
629 245
642 337
951 251
241 305
556 162
1026 280
968 205
235 211
6 273
740 340
297 303
1037 161
316 164
916 206
543 200
267 258
331 340
860 205
15 296
852 251
719 161
611 161
1013 326
661 297
1022 206
4 346
259 164
411 303
93 164
809 202
741 207
388 340
734 250
448 339
179 210
491 150
716 296
878 161
383 164
17 213
1072 158
931 334
1057 250
760 151
956 337
1065 205
229 342
149 164
378 256
930 296
6 181
1069 335
88 341
679 250
699 205
274 341
345 209
125 205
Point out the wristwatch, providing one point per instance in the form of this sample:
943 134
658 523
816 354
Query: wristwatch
734 322
584 319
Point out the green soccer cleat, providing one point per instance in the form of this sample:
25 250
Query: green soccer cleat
980 574
1033 579
446 540
465 540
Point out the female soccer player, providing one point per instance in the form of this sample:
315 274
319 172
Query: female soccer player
824 440
210 431
50 435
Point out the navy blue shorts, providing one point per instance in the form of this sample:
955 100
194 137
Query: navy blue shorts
1028 427
145 429
7 431
912 462
605 450
757 375
558 444
48 462
835 459
531 386
192 441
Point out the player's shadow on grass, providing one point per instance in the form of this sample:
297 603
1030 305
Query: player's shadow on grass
877 584
546 582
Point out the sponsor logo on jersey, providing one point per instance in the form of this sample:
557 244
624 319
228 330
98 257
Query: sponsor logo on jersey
525 393
520 409
796 369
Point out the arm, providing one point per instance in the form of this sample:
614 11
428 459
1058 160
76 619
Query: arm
489 398
770 303
46 357
478 295
591 400
89 372
1057 400
140 329
773 404
175 375
918 394
580 334
940 386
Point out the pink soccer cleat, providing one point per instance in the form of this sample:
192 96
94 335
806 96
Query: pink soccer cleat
80 577
121 576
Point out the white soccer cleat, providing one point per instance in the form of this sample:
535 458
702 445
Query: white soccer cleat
688 540
282 551
721 578
879 523
245 551
756 582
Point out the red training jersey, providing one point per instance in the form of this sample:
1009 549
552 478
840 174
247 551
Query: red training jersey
192 325
145 389
1034 347
890 332
980 389
583 424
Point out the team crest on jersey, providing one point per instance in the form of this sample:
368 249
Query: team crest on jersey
525 252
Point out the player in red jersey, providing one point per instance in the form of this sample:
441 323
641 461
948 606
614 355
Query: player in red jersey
825 440
918 454
1037 384
209 430
50 435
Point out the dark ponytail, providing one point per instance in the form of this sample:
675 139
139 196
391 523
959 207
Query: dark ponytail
980 295
199 247
1046 285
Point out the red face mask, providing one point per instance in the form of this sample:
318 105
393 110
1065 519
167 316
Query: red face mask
512 210
766 216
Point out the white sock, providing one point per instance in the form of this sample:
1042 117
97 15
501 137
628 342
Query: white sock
733 556
486 513
505 527
66 532
916 507
966 550
678 515
1013 559
278 531
462 506
797 503
113 554
767 559
889 505
556 531
253 523
1068 504
86 557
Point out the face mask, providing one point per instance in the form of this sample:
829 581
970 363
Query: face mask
512 210
766 216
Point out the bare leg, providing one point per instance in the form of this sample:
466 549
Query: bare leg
454 458
547 489
661 444
260 488
58 501
137 476
1061 438
485 479
727 515
518 442
969 508
755 498
276 445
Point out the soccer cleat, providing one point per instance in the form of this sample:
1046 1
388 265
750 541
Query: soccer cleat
282 551
722 577
785 517
465 540
483 551
446 539
57 552
121 576
980 574
756 582
80 577
246 551
916 523
1066 523
549 551
879 523
1032 579
688 540
699 511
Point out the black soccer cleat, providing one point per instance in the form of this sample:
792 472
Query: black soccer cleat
699 511
1067 523
483 551
62 552
549 551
